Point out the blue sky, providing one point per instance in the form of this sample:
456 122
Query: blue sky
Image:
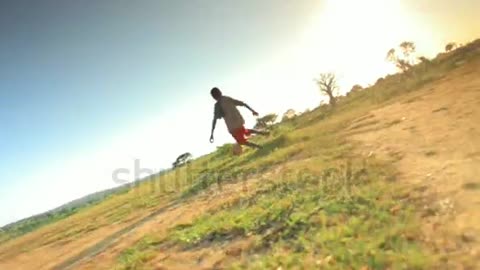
90 86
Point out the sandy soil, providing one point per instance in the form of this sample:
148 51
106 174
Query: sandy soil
174 215
433 138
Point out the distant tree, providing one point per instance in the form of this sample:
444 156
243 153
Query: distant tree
403 65
182 159
423 59
391 55
289 114
425 63
356 88
408 49
405 59
450 46
327 83
266 121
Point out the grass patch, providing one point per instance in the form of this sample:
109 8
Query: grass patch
298 221
136 256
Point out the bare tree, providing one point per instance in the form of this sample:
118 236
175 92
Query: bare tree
408 48
266 121
404 60
327 83
450 46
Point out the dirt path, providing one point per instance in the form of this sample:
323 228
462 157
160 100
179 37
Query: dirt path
108 241
104 254
38 251
433 136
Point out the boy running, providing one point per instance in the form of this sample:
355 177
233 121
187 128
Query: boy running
226 108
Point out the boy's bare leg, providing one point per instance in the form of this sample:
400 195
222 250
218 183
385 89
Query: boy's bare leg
254 131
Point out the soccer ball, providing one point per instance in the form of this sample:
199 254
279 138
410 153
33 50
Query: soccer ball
237 149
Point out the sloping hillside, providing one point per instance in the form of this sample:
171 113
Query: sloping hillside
386 180
32 223
432 138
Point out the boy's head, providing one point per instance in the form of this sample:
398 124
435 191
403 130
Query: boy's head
216 93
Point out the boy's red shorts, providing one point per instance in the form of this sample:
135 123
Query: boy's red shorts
241 134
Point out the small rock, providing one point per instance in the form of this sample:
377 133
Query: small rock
394 210
459 63
324 261
409 236
469 236
450 246
233 252
428 211
160 266
421 188
328 259
446 205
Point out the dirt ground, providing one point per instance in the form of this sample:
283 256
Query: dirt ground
433 137
175 215
48 255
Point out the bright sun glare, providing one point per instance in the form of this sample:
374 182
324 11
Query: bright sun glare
350 38
354 37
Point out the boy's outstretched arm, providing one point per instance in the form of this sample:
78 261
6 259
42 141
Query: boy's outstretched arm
250 108
214 123
241 103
